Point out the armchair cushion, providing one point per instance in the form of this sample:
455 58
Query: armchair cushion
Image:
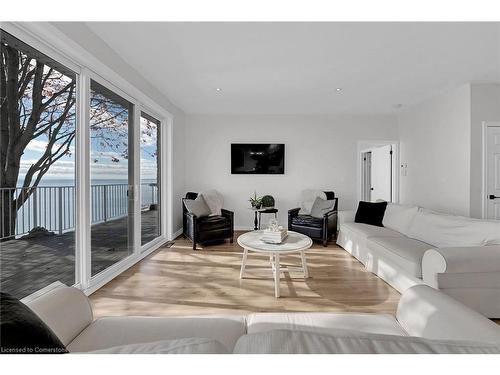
213 222
308 221
198 207
321 207
214 201
308 197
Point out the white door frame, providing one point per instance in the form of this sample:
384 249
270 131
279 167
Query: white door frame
365 159
484 189
367 145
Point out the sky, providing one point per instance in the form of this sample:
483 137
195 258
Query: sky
104 169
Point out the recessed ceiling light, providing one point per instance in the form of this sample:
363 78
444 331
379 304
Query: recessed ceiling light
218 89
338 89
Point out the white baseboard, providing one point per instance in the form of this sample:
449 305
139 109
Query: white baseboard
243 228
176 234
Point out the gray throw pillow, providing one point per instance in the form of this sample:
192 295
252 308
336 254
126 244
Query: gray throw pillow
320 207
198 207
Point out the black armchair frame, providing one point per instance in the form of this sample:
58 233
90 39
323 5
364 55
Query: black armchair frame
324 234
191 227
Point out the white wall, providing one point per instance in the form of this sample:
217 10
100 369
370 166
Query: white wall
435 142
485 106
320 152
81 34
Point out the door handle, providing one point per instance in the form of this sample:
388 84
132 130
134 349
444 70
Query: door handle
494 197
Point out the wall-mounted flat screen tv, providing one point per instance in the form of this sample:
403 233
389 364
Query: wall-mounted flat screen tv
257 158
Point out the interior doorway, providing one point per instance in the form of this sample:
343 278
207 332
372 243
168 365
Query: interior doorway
491 168
378 178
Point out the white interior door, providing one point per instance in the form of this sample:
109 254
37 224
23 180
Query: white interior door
381 173
493 172
366 184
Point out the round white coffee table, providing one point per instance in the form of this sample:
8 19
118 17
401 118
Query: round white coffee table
294 243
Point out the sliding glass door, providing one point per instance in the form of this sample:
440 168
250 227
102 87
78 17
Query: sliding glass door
111 196
150 178
82 186
37 180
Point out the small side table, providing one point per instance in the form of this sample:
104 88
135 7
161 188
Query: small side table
260 211
270 210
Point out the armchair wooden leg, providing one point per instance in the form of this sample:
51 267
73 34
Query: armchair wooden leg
194 245
231 240
325 242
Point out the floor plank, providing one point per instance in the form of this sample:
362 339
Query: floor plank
180 281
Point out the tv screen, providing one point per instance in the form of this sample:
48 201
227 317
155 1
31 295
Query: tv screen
257 158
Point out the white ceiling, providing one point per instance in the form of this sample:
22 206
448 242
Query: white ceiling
290 68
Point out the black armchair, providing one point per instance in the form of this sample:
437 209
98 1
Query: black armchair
321 229
206 229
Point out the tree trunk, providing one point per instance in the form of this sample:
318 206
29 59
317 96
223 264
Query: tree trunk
8 215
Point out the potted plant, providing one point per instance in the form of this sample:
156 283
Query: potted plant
267 201
255 201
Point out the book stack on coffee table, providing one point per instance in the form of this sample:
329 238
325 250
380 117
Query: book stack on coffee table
274 236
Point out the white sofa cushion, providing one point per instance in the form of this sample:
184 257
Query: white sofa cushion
182 346
367 231
324 322
399 217
345 342
115 331
403 252
443 230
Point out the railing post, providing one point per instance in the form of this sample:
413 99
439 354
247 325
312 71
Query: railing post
60 208
152 194
105 202
35 208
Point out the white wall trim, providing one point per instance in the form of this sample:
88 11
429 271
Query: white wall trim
243 228
177 233
367 145
484 147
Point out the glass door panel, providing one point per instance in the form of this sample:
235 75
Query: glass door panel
37 155
111 116
150 178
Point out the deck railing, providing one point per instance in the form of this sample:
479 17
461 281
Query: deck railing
53 207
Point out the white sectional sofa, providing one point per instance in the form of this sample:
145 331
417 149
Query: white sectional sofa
459 256
427 321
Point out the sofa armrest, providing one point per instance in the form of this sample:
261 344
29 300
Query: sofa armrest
346 216
66 310
426 312
459 260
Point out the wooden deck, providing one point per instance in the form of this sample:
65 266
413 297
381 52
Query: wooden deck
180 281
27 265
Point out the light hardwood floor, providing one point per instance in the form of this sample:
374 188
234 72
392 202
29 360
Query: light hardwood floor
180 281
